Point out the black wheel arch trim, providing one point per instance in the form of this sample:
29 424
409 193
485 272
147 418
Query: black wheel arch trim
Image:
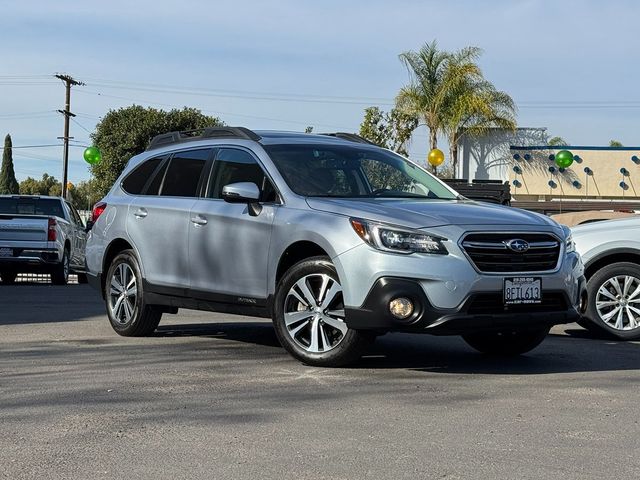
610 253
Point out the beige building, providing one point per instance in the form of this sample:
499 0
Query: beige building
524 160
596 173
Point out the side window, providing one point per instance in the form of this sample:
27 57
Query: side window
232 166
156 182
183 174
76 216
136 180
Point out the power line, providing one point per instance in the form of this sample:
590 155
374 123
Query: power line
216 112
48 145
80 125
26 114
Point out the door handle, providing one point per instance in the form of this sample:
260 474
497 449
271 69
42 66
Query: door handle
198 220
140 213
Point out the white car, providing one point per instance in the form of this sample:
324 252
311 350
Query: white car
611 254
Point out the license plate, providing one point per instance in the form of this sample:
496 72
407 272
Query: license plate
6 252
522 290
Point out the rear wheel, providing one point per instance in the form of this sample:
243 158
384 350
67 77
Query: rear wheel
128 313
60 274
506 343
614 301
309 316
8 278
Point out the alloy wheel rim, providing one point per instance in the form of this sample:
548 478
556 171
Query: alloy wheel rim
123 293
314 313
618 302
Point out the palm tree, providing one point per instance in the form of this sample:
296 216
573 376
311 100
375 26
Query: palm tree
557 142
448 92
475 107
433 75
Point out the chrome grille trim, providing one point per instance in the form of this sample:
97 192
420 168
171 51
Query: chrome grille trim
488 252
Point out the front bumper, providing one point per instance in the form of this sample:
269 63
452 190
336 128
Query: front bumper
480 312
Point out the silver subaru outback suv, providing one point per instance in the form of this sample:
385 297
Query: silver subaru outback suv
336 239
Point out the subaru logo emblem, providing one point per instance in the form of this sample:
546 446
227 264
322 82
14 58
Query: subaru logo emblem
518 245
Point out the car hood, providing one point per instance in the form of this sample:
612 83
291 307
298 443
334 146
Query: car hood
429 213
607 227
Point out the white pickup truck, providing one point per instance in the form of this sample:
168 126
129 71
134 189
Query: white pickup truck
40 235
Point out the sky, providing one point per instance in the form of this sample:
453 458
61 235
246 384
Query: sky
571 66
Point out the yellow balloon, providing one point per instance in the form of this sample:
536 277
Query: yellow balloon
436 157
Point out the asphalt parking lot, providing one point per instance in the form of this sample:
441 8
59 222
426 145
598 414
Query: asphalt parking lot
215 396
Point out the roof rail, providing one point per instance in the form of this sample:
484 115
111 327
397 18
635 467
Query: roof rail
352 137
170 138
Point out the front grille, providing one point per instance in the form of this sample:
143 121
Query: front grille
492 303
490 252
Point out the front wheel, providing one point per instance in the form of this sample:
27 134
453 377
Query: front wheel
309 316
128 313
614 301
506 343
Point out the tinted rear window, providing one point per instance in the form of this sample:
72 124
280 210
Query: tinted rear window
136 180
31 206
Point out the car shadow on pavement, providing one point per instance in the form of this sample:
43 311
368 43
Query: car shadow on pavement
26 303
557 354
256 332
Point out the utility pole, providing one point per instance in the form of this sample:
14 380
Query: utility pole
68 81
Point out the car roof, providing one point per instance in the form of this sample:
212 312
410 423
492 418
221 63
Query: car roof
216 135
278 137
45 197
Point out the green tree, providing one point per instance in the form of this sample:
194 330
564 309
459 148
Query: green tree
615 143
8 182
557 142
45 186
390 130
448 92
126 132
84 195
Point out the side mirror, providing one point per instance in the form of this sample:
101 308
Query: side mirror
241 192
89 226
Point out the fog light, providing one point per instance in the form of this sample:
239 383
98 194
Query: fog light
401 307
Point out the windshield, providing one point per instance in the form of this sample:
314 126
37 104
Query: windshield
353 172
31 206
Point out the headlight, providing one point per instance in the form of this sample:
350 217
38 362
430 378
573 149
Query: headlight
398 240
569 245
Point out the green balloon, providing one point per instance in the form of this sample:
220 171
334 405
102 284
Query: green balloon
564 158
92 155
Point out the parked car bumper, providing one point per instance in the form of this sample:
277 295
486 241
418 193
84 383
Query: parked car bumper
24 259
480 312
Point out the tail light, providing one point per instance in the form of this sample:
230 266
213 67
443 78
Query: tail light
98 208
52 233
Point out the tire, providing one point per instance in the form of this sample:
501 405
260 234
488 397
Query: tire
601 287
311 331
128 313
60 273
507 343
82 278
8 278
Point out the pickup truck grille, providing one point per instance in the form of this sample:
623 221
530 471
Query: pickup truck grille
512 252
